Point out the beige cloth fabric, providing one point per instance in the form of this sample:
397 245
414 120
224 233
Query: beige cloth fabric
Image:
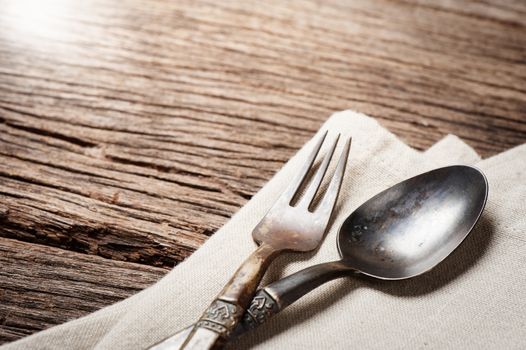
474 299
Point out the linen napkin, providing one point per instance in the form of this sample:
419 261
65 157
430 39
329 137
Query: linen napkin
474 299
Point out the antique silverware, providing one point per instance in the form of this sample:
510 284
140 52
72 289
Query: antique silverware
400 233
285 227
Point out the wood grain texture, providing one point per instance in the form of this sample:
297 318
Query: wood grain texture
40 286
130 131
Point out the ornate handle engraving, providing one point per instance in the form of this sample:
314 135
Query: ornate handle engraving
220 317
262 308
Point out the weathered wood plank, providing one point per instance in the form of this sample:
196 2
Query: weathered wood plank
133 130
41 286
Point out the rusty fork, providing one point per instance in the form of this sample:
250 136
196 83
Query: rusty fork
298 227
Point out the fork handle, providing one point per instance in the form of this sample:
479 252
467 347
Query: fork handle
220 319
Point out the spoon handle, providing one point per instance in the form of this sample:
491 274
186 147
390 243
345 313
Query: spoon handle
278 295
270 300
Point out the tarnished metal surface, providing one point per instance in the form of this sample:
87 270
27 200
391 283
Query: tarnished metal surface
220 317
262 307
412 226
298 227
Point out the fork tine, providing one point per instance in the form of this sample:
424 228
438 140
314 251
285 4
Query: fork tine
331 195
295 184
314 186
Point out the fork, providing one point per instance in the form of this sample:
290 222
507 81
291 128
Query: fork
299 227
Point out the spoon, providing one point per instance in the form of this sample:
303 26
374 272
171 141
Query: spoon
400 233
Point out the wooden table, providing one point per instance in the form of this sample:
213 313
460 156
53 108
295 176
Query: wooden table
131 130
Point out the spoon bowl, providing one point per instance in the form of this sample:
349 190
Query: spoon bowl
409 228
